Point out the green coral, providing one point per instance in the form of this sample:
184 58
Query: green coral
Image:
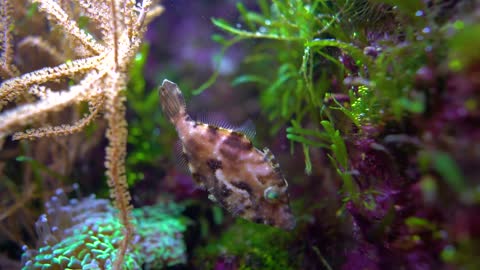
160 229
253 246
86 234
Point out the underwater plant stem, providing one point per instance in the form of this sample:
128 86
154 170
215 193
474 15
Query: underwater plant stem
218 61
322 259
115 164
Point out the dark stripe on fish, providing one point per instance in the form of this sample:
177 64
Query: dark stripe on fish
214 164
237 141
193 146
229 154
225 191
212 134
212 129
243 185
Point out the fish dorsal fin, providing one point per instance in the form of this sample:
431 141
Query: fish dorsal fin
213 119
247 128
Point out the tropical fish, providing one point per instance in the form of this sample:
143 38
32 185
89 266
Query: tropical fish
241 178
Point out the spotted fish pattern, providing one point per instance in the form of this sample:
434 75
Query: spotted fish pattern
241 178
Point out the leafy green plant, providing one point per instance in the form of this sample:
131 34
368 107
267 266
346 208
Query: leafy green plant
255 247
319 50
303 40
146 123
297 38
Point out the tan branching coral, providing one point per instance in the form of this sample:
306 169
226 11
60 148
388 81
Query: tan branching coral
98 69
7 69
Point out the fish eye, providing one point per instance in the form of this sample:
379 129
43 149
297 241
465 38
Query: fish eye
271 194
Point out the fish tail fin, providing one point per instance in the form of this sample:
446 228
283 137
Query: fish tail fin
172 101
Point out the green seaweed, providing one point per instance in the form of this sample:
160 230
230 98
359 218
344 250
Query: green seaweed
339 159
252 246
146 123
446 167
318 51
463 45
300 33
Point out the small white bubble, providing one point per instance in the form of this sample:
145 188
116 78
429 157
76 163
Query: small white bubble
419 13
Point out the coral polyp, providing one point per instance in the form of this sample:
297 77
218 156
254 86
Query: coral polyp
86 234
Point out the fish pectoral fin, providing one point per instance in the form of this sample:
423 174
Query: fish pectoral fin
236 210
181 158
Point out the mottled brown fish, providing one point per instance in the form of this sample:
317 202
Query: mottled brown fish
243 179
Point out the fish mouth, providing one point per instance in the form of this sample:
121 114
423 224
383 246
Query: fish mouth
169 85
